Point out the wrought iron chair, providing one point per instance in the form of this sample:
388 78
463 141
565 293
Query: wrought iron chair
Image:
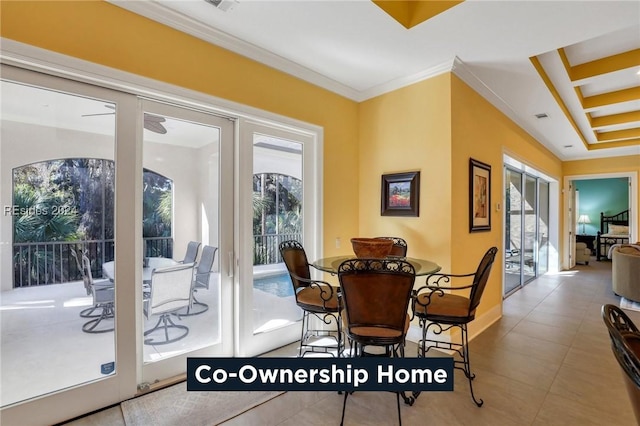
375 294
103 294
399 246
314 297
201 279
171 292
439 309
192 252
625 343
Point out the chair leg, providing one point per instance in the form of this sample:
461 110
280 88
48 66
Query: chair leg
398 404
165 323
467 365
344 405
107 313
192 310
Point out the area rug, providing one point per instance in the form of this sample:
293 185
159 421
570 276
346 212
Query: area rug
174 406
629 304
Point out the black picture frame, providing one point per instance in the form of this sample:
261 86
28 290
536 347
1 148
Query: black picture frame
479 196
400 194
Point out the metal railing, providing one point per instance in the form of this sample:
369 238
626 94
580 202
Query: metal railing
266 247
37 264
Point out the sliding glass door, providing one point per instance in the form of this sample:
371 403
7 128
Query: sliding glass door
526 228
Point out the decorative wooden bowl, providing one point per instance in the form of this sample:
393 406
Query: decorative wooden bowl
377 248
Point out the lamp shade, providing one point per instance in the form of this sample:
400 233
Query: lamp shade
584 218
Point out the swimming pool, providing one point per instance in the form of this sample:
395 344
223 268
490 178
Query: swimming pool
279 284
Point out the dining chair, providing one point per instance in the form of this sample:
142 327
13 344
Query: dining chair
317 299
201 279
440 308
103 298
170 292
376 315
399 248
191 254
625 344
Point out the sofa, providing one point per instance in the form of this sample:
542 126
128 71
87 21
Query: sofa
625 270
583 253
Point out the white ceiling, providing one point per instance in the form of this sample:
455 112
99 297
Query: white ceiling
357 50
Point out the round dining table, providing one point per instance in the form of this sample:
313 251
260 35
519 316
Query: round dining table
331 264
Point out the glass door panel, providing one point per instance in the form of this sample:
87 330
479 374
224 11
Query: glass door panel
530 253
57 308
182 239
513 229
278 189
543 227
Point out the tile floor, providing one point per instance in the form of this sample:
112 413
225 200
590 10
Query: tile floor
547 361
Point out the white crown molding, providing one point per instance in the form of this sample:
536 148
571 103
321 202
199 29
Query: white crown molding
161 14
464 72
401 82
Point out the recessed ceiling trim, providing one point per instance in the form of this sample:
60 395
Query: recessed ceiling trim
612 120
617 97
606 65
618 144
547 81
618 135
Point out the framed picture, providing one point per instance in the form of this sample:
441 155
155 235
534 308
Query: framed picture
479 196
401 194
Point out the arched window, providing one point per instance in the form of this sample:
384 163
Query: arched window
277 209
66 205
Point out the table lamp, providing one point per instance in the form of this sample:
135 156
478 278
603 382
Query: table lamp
584 218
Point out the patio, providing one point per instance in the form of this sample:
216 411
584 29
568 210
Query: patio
41 324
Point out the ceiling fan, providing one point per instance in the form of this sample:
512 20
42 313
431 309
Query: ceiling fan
151 122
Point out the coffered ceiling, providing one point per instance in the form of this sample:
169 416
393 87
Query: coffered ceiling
574 63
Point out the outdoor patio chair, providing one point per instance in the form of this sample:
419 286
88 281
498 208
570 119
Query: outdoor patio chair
192 252
103 294
201 280
171 292
440 311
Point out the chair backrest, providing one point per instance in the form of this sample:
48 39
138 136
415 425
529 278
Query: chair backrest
376 292
625 343
80 264
192 252
399 246
295 259
481 277
203 270
170 289
617 320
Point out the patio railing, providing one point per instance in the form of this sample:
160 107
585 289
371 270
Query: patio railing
52 263
265 247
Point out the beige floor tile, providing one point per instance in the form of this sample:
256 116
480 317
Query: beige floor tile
604 391
560 411
558 333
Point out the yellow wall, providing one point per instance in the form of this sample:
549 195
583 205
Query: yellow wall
482 132
409 130
625 164
105 34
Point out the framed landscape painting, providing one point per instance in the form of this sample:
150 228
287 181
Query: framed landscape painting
401 194
479 196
